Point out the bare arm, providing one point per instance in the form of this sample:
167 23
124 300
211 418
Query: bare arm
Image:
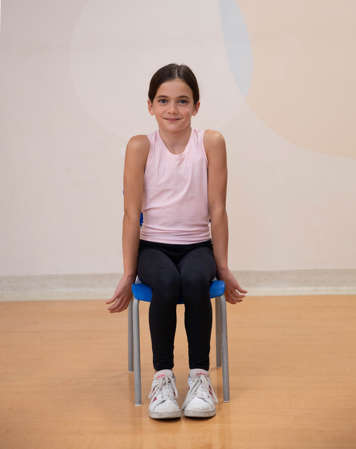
217 185
135 161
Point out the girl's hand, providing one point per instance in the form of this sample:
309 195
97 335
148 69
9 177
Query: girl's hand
122 295
233 289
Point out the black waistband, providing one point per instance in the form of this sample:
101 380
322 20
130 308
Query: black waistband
175 245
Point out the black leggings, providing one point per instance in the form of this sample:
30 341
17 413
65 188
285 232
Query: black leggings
174 272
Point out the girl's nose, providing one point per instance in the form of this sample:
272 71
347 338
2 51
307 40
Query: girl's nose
172 107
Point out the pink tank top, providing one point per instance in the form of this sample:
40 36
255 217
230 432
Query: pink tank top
175 198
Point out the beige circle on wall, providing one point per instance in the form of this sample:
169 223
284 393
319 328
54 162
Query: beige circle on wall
304 70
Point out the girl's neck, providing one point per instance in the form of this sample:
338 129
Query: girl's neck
176 140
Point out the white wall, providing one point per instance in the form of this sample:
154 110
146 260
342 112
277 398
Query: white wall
274 80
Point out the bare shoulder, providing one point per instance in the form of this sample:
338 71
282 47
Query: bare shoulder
138 143
214 142
138 148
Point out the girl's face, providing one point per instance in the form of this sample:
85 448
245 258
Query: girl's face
173 105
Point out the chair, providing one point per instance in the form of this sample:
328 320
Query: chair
142 292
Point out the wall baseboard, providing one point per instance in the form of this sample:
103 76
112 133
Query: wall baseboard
102 286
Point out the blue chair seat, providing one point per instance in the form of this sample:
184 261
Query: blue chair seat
143 292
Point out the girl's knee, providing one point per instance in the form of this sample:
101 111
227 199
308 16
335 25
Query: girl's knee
167 289
195 287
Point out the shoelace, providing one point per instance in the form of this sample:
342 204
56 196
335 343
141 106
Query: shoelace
202 388
165 386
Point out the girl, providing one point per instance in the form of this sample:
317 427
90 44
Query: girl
177 177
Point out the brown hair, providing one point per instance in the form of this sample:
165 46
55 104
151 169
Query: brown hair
171 72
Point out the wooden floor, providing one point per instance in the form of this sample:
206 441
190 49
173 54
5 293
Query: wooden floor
64 381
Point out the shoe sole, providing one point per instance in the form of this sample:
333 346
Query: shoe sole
166 415
199 413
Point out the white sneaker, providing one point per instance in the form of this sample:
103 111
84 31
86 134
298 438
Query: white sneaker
201 398
163 396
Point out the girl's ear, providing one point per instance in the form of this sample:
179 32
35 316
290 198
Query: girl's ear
149 105
196 108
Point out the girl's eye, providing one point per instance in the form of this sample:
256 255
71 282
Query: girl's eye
164 100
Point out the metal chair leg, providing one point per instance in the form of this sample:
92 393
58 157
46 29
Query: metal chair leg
130 337
137 357
225 355
218 330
